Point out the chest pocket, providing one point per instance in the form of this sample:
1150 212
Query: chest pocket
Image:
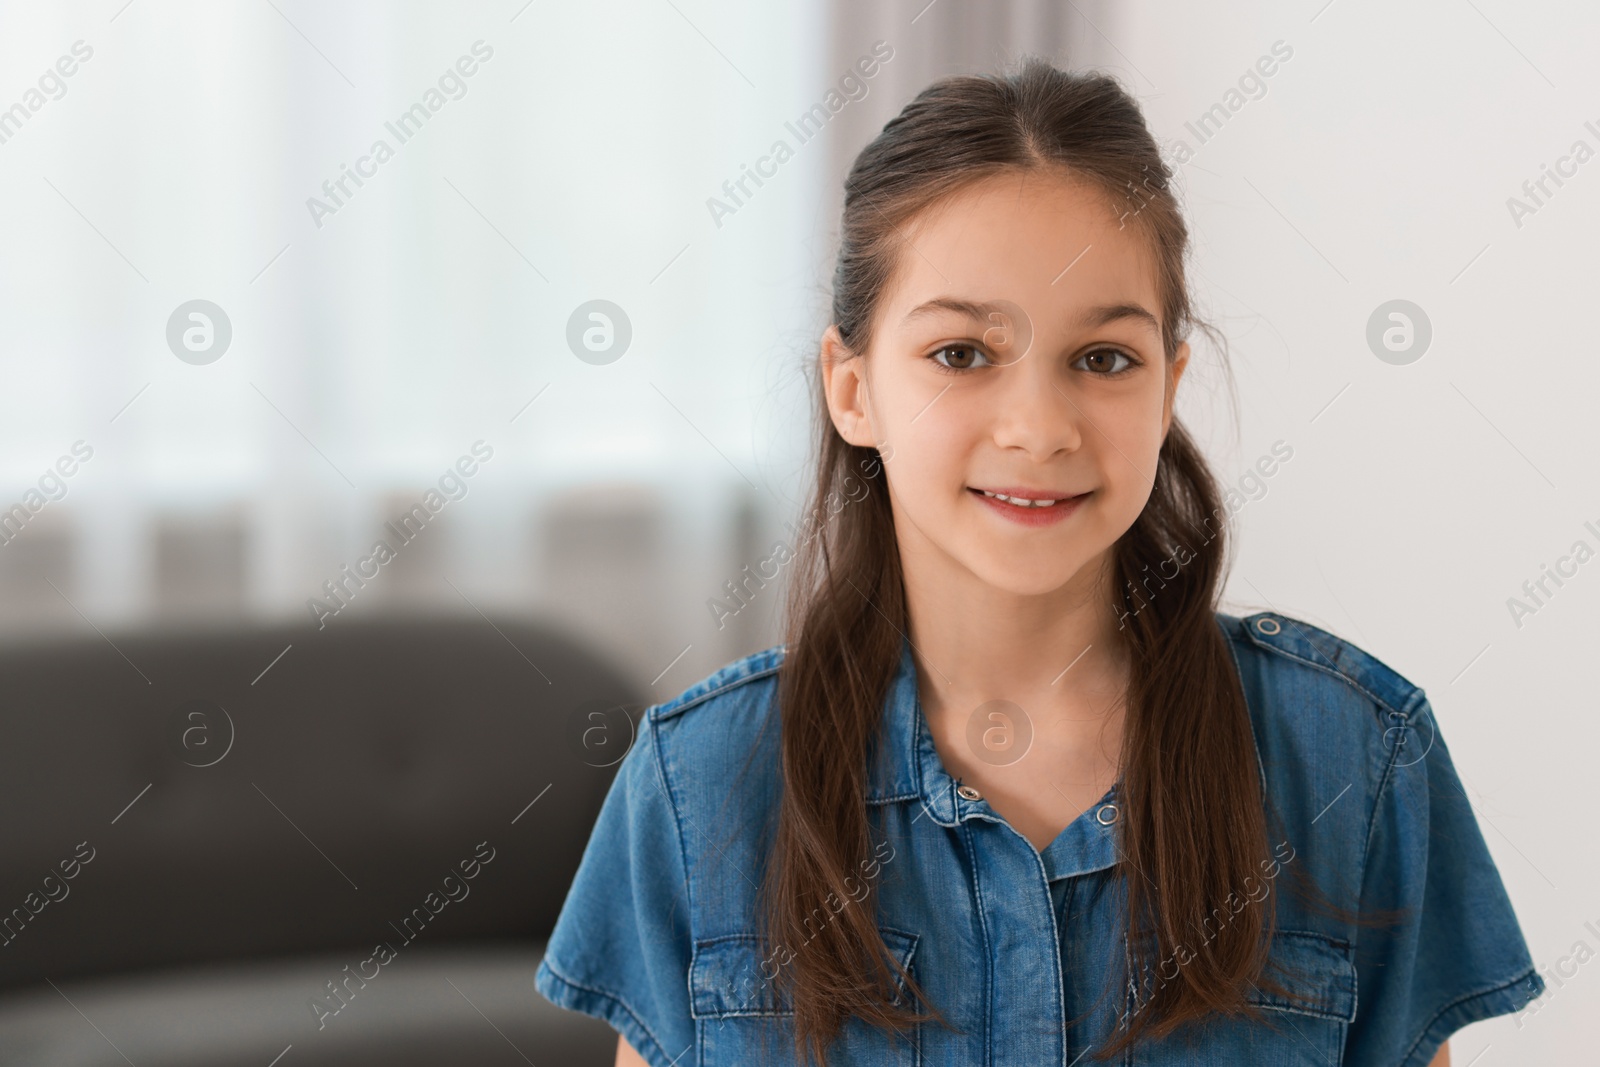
1306 1031
741 1018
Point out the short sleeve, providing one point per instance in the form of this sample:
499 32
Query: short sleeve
621 946
1457 954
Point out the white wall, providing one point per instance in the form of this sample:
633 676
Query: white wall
1378 166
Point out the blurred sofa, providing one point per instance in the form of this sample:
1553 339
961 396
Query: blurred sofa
294 846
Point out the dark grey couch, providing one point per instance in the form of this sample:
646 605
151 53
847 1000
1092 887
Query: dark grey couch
196 854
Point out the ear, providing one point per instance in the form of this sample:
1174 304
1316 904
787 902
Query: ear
844 384
1175 369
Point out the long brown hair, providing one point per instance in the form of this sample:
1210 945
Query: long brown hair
1192 827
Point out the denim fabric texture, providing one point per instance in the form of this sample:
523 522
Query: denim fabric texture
1016 946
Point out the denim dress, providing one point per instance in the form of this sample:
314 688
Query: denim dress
1016 947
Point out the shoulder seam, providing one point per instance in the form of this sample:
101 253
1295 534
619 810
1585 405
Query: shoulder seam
1406 705
664 784
1372 819
684 701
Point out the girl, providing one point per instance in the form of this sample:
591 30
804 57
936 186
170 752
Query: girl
1015 792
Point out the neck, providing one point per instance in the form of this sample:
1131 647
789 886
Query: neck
974 642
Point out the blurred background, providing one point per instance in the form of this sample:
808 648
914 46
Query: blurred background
542 347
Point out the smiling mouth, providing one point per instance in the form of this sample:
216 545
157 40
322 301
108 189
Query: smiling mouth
1031 500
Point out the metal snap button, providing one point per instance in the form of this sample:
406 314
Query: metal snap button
968 793
1268 626
1106 815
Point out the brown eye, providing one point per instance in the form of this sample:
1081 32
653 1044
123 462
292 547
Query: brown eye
959 357
1101 361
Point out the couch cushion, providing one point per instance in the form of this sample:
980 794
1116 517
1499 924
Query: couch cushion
425 1007
312 807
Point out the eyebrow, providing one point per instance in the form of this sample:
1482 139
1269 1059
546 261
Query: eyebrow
1100 315
1105 314
972 309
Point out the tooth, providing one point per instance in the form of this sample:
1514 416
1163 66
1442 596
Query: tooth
1018 501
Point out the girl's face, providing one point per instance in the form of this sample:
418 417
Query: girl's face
1016 353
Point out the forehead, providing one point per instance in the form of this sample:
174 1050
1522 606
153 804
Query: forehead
1047 241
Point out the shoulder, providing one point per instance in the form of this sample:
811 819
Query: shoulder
1320 704
1335 727
743 680
1367 794
1295 662
1332 722
717 749
706 736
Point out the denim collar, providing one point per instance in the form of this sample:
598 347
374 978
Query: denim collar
908 768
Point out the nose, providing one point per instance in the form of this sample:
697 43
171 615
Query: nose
1033 413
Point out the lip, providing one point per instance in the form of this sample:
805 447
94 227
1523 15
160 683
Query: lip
1065 505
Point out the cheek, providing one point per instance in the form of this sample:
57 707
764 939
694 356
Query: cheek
927 470
1132 417
1129 438
932 436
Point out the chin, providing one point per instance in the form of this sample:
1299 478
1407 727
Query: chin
1020 578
